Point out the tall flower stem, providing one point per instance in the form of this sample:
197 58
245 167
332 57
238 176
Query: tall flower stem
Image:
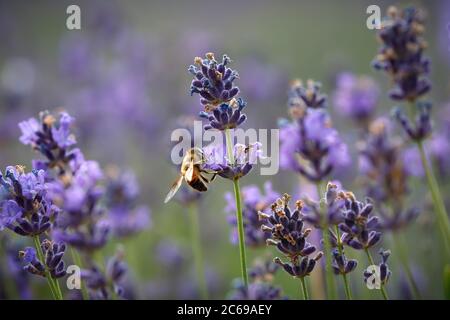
239 217
331 285
53 288
304 289
399 246
348 293
77 260
383 290
442 216
197 250
438 203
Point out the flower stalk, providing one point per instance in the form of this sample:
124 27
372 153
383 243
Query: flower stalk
442 216
348 292
239 217
304 289
331 284
77 259
383 290
52 283
197 250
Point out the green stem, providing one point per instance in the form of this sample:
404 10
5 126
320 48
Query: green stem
348 293
197 250
399 246
77 260
383 290
37 245
240 224
58 289
304 289
331 285
239 217
442 216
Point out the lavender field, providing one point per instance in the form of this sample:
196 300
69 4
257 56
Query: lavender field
343 191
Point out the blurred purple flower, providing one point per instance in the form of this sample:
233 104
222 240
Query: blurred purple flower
255 291
262 81
356 97
124 217
311 147
169 255
401 53
306 96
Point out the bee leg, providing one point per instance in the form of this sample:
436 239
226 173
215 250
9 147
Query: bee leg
208 180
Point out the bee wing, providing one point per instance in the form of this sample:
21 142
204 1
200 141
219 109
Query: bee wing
176 185
190 172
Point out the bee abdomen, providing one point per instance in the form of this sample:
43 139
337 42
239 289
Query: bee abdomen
198 185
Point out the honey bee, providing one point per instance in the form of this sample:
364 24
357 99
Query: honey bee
192 173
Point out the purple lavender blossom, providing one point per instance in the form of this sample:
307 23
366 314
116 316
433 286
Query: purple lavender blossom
104 285
288 235
311 147
381 162
26 207
342 265
80 222
52 138
309 96
253 201
313 212
356 97
15 269
213 81
244 159
422 126
437 149
255 291
262 81
263 271
169 255
125 217
53 253
386 168
225 116
385 273
359 229
401 53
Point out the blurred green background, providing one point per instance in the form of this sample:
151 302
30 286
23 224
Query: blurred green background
270 42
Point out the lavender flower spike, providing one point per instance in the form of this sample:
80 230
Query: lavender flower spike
244 159
385 273
213 81
53 138
226 116
308 96
401 53
26 206
359 229
311 146
422 127
288 235
341 265
356 97
53 253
